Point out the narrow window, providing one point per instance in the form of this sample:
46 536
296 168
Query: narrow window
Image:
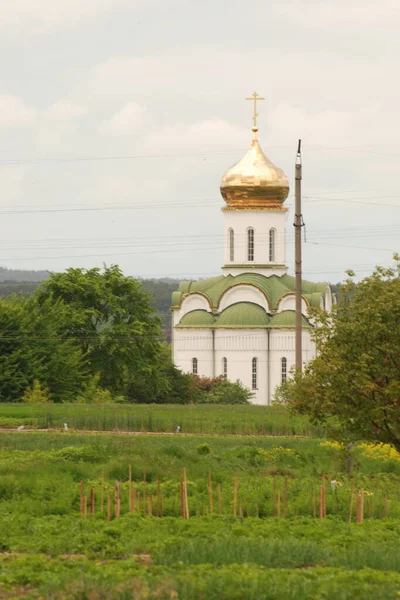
194 366
284 369
254 374
250 245
225 368
272 234
231 245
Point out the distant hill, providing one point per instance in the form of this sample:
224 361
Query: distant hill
16 281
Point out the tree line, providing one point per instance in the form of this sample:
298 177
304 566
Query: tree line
93 336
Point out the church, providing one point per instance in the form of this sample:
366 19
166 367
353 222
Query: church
240 325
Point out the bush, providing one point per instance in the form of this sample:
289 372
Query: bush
219 391
204 449
36 394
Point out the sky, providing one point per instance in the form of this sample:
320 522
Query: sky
118 119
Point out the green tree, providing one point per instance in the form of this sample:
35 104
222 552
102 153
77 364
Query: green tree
356 375
36 394
33 347
112 322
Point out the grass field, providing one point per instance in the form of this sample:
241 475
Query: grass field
199 419
49 551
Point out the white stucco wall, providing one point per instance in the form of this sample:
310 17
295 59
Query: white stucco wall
282 344
239 347
261 221
194 343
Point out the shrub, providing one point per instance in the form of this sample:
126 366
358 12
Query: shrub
36 394
204 449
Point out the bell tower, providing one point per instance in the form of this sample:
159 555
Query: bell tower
254 190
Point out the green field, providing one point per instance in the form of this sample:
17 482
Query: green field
199 419
48 550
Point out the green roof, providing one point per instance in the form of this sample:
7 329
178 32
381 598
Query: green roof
287 320
243 315
273 287
197 318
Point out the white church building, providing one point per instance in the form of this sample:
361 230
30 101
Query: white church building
241 325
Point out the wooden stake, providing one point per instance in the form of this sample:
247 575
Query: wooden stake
279 503
210 493
361 505
322 509
219 490
240 512
85 506
102 494
117 503
235 493
150 505
109 507
138 502
182 500
92 501
130 489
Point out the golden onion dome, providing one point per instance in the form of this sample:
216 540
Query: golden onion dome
254 182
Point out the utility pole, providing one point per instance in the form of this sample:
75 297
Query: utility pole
298 224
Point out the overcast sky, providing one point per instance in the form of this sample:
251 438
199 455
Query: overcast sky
130 111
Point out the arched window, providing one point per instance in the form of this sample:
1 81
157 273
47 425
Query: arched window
231 245
272 236
225 368
254 374
250 245
195 364
283 369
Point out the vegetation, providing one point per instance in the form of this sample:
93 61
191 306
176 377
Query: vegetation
24 282
50 551
356 375
194 418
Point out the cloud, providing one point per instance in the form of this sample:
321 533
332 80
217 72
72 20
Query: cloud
343 13
125 122
64 111
324 127
39 16
14 113
208 136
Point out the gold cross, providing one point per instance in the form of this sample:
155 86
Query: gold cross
255 97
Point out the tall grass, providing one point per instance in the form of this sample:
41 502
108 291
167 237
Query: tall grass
198 419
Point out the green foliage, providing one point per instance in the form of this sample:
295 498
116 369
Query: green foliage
204 449
356 375
206 390
92 393
33 346
48 551
36 394
111 321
